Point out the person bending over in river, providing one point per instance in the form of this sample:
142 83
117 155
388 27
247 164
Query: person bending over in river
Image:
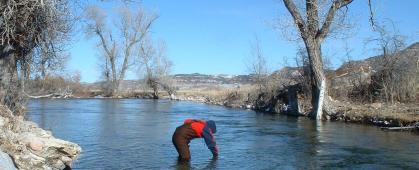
192 129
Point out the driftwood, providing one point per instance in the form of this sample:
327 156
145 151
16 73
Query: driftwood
52 95
65 94
415 126
39 97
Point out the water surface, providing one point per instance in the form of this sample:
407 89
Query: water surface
136 134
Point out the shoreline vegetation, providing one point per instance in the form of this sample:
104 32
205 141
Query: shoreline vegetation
386 116
381 90
366 91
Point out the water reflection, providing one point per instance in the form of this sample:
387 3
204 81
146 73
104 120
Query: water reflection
183 165
186 165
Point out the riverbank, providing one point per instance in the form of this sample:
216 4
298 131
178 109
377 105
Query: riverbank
376 114
26 146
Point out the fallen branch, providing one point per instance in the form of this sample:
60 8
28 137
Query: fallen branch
52 95
39 97
415 126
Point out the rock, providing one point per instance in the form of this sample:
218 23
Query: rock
36 145
376 105
99 96
2 121
66 159
172 97
59 164
6 162
33 148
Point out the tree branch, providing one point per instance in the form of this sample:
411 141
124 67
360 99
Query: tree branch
297 17
312 17
371 16
102 39
337 4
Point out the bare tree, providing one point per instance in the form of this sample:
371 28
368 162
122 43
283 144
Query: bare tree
132 26
46 61
155 67
24 26
96 25
303 65
258 66
396 75
313 29
162 69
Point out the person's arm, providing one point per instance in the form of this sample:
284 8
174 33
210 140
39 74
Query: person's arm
210 141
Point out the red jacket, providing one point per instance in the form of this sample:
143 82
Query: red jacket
204 130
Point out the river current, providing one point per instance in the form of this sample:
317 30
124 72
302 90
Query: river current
136 134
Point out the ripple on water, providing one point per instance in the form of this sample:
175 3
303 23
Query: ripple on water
136 134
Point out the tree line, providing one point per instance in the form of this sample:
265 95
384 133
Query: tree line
34 35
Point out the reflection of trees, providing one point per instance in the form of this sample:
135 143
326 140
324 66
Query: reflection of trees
305 144
153 130
291 142
42 112
108 133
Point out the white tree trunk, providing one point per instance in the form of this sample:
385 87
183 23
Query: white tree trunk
321 102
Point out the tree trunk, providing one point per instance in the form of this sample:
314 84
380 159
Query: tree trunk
9 92
313 34
318 79
115 83
22 77
153 84
43 75
155 92
122 73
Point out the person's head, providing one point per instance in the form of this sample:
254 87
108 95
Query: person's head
212 126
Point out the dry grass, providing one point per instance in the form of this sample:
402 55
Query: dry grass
217 94
377 113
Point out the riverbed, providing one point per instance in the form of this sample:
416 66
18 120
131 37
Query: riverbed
136 134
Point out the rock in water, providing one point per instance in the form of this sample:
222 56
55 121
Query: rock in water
6 162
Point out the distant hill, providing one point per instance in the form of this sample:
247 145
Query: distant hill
203 79
408 57
189 80
406 60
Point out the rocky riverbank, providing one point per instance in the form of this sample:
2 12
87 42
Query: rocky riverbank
23 145
377 114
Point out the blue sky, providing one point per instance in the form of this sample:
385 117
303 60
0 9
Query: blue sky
214 36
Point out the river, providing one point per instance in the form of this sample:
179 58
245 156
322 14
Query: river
136 134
